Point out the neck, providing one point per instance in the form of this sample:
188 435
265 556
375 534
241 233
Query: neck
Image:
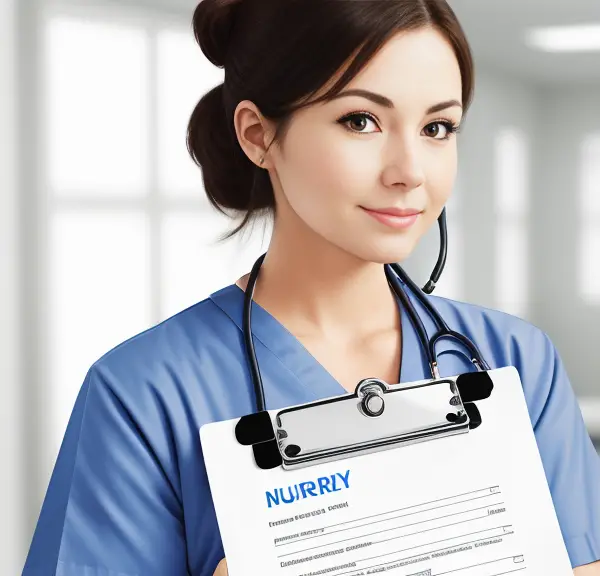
317 289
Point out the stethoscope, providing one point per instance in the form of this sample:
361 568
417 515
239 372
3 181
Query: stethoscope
394 273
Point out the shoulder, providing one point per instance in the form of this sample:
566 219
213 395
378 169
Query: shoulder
167 355
508 339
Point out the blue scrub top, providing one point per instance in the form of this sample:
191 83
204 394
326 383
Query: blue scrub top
129 493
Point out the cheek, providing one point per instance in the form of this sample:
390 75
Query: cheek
324 172
440 177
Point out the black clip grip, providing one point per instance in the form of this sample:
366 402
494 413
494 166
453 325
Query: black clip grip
256 430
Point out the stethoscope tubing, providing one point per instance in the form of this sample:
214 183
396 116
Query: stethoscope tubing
259 391
394 274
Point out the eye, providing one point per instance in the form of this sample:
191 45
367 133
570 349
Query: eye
357 122
440 130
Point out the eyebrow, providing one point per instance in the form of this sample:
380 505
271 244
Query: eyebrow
387 103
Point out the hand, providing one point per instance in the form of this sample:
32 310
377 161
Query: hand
592 569
221 569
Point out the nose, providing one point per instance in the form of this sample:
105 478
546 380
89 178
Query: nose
405 167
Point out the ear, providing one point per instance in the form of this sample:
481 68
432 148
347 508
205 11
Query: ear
253 131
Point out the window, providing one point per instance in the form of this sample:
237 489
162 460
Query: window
512 206
589 238
132 238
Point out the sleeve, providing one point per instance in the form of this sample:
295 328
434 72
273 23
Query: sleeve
111 508
570 461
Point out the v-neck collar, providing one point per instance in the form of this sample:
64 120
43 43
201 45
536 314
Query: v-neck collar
296 357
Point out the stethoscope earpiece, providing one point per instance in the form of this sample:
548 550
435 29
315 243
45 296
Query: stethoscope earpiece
429 287
441 261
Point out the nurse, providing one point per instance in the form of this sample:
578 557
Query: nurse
339 119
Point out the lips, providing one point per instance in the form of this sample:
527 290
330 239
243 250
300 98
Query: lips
399 212
397 218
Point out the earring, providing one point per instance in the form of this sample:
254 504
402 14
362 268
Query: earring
261 161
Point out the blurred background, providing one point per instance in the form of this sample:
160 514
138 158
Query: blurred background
104 230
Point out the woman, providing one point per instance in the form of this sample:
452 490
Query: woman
339 118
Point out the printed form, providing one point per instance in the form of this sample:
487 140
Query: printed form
476 504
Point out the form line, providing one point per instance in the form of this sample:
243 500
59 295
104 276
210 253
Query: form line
430 502
288 542
395 528
413 556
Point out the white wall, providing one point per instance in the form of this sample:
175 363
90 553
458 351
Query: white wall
564 116
11 496
500 104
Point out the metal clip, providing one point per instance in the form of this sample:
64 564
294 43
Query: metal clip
376 417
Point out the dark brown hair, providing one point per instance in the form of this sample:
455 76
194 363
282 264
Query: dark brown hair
280 53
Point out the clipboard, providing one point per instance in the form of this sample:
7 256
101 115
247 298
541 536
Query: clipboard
437 476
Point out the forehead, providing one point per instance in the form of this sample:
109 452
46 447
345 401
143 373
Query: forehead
413 68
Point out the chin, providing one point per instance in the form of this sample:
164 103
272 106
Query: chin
386 254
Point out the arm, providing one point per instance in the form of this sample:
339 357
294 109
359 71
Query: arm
111 506
570 460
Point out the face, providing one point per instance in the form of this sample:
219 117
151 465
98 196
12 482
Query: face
371 174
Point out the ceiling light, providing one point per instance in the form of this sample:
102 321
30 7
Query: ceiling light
582 38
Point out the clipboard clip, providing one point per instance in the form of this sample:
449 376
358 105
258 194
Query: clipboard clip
375 417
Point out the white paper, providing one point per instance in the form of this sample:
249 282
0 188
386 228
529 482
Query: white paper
476 504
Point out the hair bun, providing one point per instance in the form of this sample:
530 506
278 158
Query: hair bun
212 23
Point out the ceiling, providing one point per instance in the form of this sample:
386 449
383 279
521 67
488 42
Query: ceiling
495 29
